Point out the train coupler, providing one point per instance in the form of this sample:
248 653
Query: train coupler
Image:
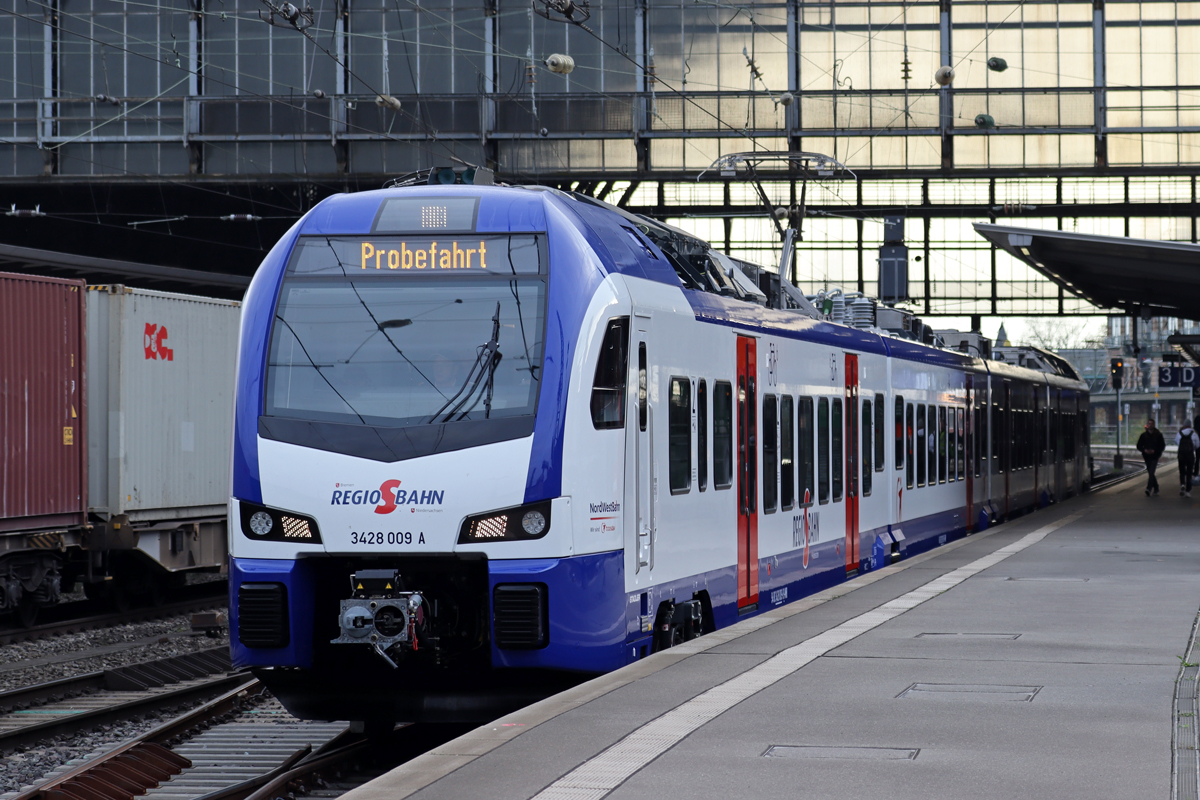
382 614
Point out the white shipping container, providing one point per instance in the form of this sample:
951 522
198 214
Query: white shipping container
160 375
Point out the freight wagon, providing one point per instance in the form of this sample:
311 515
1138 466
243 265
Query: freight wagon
116 465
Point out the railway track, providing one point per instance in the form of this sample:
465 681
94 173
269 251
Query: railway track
1112 480
202 601
240 746
71 705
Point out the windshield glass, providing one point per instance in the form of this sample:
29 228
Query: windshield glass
360 344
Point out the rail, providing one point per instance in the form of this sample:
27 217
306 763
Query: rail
109 619
143 762
71 705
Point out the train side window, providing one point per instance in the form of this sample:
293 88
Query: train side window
1070 424
679 435
868 446
1041 419
1016 414
880 433
823 449
901 438
951 445
808 488
922 447
960 455
770 451
1084 431
1000 426
1034 454
909 435
608 386
1030 432
642 385
931 444
943 444
722 435
702 434
835 426
981 436
1055 427
1027 436
787 453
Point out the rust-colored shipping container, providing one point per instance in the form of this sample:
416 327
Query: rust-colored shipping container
43 440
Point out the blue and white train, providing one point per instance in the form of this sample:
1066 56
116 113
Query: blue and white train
487 437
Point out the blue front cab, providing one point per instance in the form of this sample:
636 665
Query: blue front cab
587 632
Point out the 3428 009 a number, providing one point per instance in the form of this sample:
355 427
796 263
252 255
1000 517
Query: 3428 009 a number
386 537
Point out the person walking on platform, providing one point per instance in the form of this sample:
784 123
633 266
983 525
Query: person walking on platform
1151 445
1189 444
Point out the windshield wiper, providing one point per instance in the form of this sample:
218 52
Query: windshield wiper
317 368
486 360
381 327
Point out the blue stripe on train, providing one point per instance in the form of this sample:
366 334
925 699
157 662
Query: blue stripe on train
594 625
258 310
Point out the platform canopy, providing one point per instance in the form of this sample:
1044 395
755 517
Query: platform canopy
1137 276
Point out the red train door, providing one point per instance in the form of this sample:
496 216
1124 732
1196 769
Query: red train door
747 406
851 461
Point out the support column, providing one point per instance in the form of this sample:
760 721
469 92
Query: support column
1100 81
191 105
642 111
928 279
47 109
861 277
946 95
491 148
792 113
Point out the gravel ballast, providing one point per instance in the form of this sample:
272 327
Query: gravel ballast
139 641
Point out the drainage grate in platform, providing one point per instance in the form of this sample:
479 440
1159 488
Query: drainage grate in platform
1050 580
857 753
971 691
951 636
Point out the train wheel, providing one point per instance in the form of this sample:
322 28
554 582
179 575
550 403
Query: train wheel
26 613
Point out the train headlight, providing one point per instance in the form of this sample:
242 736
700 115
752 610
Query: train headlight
264 524
534 522
261 523
507 524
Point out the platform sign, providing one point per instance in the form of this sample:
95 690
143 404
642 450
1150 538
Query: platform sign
1178 377
1196 392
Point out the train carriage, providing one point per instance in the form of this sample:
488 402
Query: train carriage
487 437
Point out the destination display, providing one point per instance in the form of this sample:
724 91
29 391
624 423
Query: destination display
415 254
444 254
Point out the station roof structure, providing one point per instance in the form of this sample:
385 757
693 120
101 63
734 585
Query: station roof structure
1138 276
31 260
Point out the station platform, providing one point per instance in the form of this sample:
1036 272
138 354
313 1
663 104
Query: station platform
1050 656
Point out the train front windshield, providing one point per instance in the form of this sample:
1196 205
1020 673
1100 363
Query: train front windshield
402 331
